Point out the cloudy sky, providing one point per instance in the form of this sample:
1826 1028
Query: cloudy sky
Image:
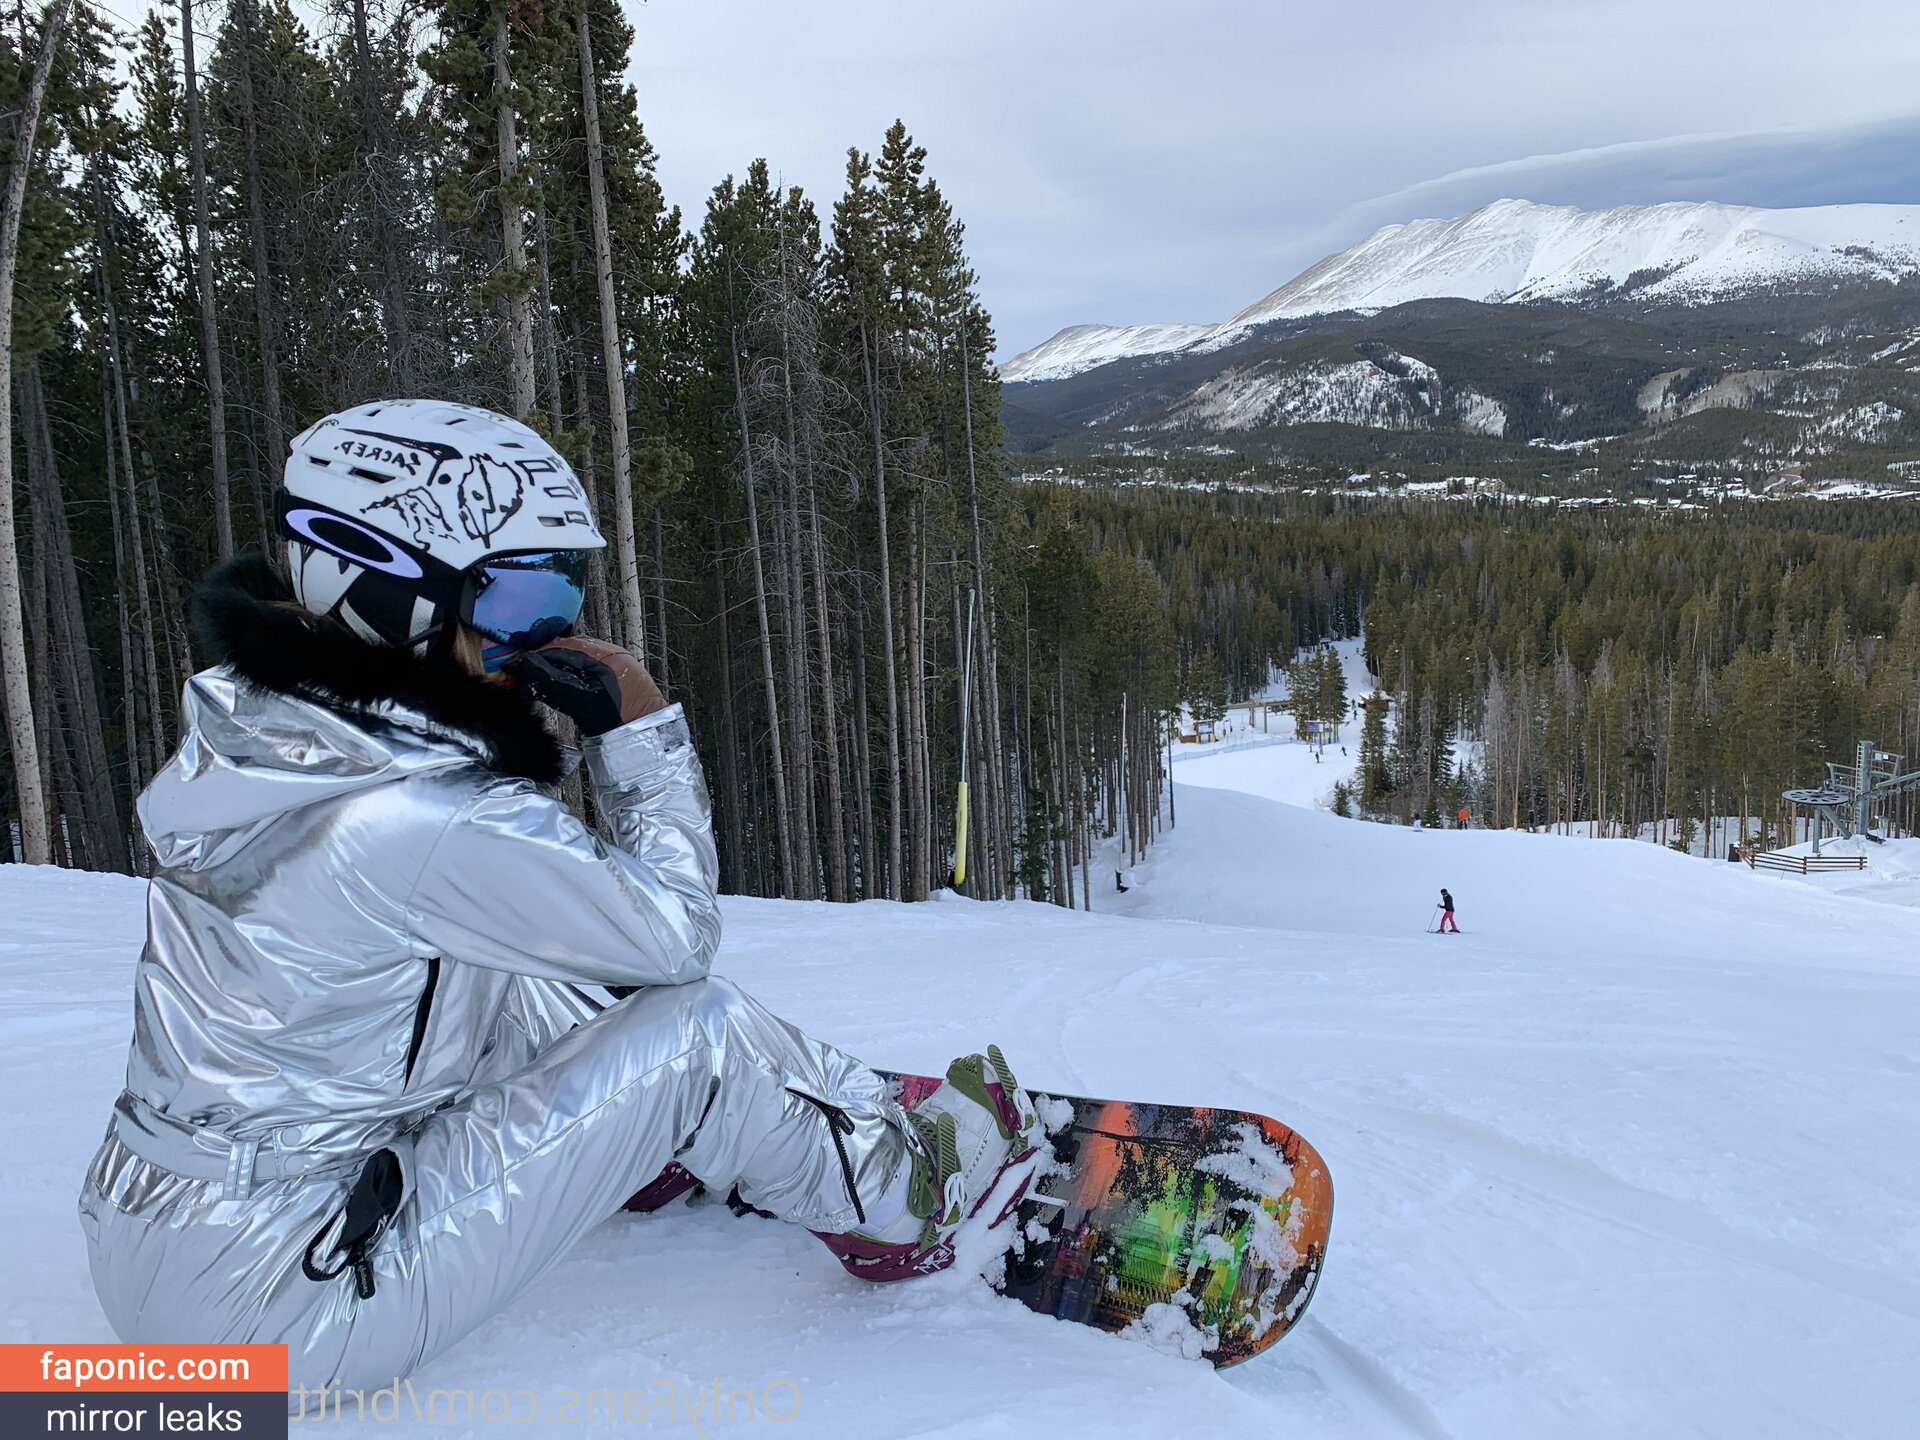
1117 161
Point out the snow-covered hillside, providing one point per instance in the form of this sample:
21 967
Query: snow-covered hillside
1081 347
1389 391
1517 250
1632 1156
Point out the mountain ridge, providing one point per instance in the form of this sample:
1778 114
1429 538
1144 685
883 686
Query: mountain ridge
1515 251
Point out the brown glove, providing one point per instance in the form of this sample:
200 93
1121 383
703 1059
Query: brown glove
597 685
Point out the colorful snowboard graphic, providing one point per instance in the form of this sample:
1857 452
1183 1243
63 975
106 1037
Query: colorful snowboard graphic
1198 1231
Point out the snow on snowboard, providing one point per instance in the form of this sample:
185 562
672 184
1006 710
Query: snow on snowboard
1198 1231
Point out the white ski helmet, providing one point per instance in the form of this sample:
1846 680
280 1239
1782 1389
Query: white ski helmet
400 516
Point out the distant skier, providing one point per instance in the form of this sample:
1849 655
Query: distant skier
1446 912
377 1086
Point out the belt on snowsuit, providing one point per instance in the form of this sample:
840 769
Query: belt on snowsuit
198 1152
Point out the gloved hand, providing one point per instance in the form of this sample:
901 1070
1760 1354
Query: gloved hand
597 685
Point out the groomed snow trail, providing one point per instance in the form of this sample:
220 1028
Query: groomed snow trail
1632 1156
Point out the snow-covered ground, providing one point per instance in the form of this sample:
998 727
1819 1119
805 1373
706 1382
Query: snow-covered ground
1633 1156
1258 754
1275 767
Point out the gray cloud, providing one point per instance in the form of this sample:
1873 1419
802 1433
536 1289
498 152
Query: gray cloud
1873 161
1807 165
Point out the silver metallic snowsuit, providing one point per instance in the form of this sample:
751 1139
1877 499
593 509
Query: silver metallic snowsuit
363 937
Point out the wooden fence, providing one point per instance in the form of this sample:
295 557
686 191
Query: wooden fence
1804 864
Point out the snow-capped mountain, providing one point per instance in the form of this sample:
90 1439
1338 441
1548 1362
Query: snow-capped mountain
1081 347
1516 250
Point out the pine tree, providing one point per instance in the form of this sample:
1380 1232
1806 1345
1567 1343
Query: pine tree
1376 776
1207 697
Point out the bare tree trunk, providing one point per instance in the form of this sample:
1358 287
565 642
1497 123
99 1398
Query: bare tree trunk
173 610
613 354
266 317
209 315
776 736
870 362
50 756
393 291
129 690
734 853
1063 798
865 847
1086 831
549 329
77 692
513 230
599 615
259 461
22 735
800 689
153 736
661 672
836 803
919 810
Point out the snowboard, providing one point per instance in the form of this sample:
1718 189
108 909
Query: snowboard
1201 1232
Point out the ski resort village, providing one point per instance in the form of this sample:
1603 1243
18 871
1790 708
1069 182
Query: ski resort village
862 721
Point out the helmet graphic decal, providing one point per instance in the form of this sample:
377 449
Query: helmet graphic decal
380 454
397 452
419 511
490 492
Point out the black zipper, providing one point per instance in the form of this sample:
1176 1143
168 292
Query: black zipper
838 1123
421 1013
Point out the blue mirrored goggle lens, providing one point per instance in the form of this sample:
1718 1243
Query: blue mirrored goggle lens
521 602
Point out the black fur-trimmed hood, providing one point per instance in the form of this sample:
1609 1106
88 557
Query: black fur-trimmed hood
243 617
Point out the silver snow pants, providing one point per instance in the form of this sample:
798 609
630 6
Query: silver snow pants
499 1184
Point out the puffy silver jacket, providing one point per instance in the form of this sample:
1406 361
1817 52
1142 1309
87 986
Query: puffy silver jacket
361 886
355 971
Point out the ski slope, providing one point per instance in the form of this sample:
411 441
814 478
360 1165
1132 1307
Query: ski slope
1258 754
1633 1156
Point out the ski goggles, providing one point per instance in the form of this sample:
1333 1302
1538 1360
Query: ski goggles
521 602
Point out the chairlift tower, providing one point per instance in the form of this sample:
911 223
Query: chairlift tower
1846 799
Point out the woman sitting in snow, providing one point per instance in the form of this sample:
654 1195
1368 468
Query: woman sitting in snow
374 1089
